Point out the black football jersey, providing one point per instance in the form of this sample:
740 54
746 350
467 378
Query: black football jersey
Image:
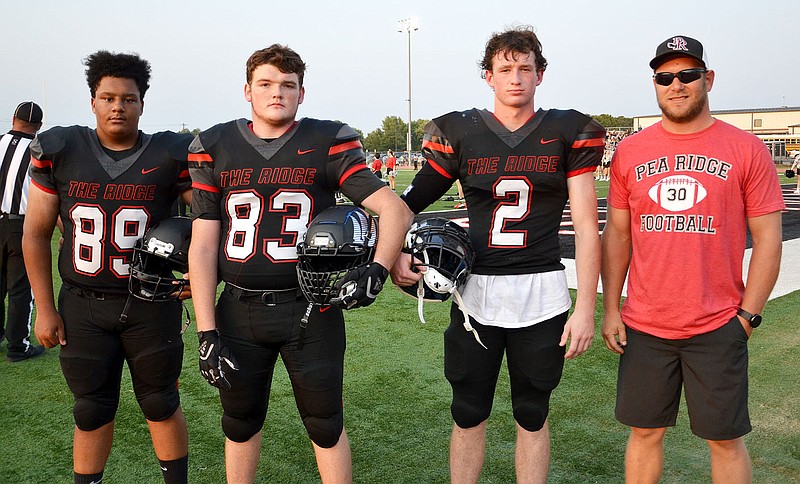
265 193
107 205
515 183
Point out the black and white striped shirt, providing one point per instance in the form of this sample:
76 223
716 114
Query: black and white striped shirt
14 179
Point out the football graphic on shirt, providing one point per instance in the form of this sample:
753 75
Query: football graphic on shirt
677 193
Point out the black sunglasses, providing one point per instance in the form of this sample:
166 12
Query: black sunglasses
685 76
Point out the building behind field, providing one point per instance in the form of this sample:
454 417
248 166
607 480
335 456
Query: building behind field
778 127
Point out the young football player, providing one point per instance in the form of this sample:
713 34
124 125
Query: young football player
518 167
257 185
107 185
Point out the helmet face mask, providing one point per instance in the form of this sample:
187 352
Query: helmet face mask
339 239
446 256
162 251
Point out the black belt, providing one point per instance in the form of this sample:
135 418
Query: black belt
11 216
100 296
270 298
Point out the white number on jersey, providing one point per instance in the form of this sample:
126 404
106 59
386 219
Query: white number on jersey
245 210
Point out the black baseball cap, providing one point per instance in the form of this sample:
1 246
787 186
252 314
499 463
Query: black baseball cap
679 46
29 111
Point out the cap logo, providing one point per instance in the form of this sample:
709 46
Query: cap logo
678 43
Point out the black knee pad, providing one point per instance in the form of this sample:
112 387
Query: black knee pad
240 429
325 431
466 414
530 416
92 414
161 405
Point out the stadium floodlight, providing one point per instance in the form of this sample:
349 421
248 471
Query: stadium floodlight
409 25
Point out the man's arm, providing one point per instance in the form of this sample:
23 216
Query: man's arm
203 253
765 263
616 257
361 286
394 220
583 205
40 220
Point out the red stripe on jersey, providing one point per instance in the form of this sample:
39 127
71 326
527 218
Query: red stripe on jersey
183 174
44 188
200 157
205 188
581 171
41 163
350 145
437 147
350 171
439 169
588 143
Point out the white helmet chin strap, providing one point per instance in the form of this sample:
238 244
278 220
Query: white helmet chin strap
467 326
459 302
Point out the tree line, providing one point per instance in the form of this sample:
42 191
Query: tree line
392 133
393 130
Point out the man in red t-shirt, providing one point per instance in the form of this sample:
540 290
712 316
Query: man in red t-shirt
376 165
683 193
391 168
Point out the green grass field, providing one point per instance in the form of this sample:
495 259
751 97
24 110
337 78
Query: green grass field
397 412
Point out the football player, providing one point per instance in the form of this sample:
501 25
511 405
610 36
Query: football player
518 167
108 185
257 185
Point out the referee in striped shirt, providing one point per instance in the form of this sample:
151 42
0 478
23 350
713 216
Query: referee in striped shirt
14 180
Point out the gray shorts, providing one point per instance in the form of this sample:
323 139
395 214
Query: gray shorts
711 367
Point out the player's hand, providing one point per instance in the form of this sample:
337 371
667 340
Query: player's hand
361 286
186 291
49 329
614 333
403 272
579 330
215 359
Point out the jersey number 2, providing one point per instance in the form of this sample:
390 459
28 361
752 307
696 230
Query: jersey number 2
515 196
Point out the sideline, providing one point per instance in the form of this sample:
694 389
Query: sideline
788 279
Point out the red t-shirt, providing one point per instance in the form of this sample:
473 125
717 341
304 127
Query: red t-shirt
391 162
376 165
689 198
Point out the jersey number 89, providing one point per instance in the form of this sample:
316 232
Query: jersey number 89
88 237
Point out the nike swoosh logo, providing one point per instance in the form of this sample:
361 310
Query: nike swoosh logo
303 152
547 141
151 170
163 468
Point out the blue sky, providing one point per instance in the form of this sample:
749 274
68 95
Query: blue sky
357 61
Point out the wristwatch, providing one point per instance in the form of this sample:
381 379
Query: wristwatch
753 319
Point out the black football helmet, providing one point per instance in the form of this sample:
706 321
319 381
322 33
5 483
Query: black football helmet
163 249
446 254
339 238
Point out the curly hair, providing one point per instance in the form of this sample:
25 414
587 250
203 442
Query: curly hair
108 64
280 56
517 40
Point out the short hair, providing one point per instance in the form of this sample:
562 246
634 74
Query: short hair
280 56
108 64
514 41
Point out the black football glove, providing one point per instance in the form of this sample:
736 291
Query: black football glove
361 286
215 359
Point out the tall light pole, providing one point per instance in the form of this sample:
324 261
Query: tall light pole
409 25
